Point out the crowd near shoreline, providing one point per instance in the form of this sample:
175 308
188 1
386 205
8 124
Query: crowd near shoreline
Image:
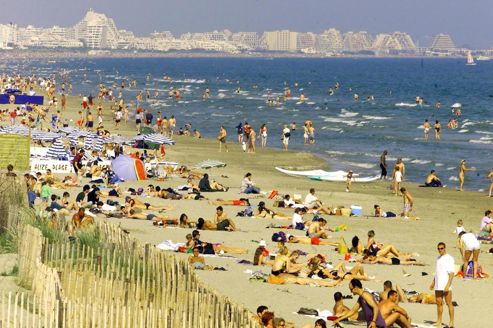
269 232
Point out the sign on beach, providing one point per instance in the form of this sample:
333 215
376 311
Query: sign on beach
41 165
14 149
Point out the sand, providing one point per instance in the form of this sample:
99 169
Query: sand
438 208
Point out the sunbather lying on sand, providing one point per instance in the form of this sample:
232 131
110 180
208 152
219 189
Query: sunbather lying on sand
135 203
371 259
193 240
317 267
267 213
310 241
234 202
283 266
379 249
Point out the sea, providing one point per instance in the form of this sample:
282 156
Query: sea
349 134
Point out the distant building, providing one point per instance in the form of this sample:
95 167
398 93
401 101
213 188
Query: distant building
8 36
281 40
395 43
329 41
212 36
357 41
442 42
306 41
97 31
248 40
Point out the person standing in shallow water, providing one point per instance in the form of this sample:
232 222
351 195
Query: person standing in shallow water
383 165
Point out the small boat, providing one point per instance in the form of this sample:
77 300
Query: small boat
340 178
470 59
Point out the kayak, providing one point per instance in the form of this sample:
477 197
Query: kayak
311 172
342 178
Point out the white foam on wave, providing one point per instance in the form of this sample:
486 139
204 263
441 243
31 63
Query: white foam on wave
370 117
221 95
403 104
439 164
484 132
362 165
339 120
347 113
198 81
481 141
222 90
453 178
463 131
420 161
467 124
335 152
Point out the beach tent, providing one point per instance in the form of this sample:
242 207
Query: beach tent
57 150
128 168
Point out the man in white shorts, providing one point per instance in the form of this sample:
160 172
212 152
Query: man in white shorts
469 244
442 283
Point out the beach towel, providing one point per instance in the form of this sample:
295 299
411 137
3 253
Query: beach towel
207 164
168 245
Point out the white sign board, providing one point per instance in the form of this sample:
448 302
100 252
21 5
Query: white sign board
41 165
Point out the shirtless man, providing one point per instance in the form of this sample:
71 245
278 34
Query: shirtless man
196 260
462 172
340 309
437 128
426 129
310 241
222 138
408 203
490 176
317 229
392 313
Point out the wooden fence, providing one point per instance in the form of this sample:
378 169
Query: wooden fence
122 284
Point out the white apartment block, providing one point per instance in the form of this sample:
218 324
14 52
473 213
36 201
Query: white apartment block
281 40
357 41
330 41
306 41
246 40
97 31
8 36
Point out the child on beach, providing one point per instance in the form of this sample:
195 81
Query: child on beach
349 180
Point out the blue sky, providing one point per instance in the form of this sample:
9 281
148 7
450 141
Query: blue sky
469 22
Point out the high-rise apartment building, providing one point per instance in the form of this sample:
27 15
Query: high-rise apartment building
329 41
306 41
442 42
357 41
8 35
249 40
97 31
281 40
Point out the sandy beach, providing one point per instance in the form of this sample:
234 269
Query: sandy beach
438 210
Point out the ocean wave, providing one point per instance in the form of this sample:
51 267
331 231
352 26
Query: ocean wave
347 113
221 95
222 90
420 161
338 120
484 132
403 104
468 124
463 131
439 164
370 117
362 165
335 152
453 178
197 81
487 142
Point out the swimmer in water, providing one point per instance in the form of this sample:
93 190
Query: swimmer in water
437 128
426 129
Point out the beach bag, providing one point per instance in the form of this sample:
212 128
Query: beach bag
390 214
279 236
308 311
342 249
345 211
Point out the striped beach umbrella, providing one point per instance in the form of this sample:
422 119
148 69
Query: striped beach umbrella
158 139
57 150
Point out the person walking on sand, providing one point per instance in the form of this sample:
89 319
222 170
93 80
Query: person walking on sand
286 134
490 176
408 202
383 165
222 138
263 135
442 284
462 173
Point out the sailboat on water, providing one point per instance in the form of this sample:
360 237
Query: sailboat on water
470 59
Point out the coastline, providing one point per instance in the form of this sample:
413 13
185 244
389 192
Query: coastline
83 54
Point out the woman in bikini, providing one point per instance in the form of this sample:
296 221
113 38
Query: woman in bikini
266 213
